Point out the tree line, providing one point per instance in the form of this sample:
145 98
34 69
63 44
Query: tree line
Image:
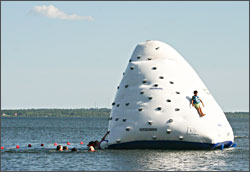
91 112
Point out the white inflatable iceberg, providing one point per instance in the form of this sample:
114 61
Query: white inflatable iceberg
152 107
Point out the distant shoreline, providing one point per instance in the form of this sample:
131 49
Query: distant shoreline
90 112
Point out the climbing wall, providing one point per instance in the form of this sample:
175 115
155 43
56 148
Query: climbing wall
152 103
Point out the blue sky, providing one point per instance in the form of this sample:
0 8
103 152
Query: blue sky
53 59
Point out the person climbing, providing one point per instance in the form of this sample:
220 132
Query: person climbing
103 139
96 144
196 103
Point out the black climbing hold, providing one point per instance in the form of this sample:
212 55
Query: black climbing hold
158 108
150 122
110 118
168 131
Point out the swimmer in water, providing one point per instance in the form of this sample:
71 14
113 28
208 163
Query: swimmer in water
96 144
73 150
59 148
65 148
91 143
91 149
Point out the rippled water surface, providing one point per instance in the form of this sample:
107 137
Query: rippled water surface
24 131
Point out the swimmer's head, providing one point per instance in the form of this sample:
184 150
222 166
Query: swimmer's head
91 144
59 147
65 148
91 149
74 150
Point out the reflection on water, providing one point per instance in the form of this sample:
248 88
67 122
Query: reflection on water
47 130
38 159
169 160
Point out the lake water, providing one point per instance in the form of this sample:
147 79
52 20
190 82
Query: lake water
24 131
